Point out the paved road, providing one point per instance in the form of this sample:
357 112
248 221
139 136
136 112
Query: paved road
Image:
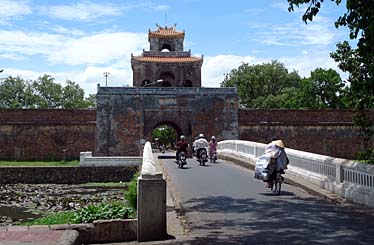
223 204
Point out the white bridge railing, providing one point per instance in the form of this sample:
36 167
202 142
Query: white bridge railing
349 179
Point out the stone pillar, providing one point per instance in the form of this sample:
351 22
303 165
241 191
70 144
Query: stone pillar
151 208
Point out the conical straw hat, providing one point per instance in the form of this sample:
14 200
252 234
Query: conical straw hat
278 143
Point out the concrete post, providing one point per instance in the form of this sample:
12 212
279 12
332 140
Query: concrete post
83 155
151 200
151 208
339 173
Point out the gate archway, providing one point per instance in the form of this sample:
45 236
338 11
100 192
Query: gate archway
127 116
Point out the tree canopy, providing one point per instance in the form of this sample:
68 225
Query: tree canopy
272 86
43 93
358 62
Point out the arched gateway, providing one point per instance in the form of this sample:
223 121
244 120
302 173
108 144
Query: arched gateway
127 115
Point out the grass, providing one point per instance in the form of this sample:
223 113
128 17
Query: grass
66 217
40 163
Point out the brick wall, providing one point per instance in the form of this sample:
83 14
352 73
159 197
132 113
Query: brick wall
327 132
46 134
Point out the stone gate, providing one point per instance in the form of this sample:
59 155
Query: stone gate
167 91
127 115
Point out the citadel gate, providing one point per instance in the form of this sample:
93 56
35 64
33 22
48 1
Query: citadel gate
167 91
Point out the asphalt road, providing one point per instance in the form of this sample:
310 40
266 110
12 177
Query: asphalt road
224 204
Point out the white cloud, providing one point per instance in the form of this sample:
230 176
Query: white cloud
12 57
22 43
99 48
320 32
214 68
59 49
92 75
304 64
88 11
81 11
68 31
13 9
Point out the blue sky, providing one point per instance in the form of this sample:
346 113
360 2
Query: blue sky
79 40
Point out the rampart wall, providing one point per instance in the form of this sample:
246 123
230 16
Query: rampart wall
36 134
326 132
58 134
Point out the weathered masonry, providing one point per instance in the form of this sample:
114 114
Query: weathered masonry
166 64
167 91
126 115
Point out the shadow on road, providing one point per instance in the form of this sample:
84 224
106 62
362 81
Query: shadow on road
286 220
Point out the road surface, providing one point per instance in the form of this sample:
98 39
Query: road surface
224 204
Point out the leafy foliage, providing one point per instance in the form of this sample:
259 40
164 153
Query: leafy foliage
358 62
165 134
271 86
44 93
102 211
257 84
131 194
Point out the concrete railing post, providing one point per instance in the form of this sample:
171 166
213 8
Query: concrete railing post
151 200
84 155
339 173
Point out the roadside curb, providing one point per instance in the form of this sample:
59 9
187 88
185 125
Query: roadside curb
179 218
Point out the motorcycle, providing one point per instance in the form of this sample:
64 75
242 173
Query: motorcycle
213 156
202 157
264 173
182 159
275 184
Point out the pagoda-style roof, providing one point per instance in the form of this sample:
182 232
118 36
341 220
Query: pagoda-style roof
159 59
165 32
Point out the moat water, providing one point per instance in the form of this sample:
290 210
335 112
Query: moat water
21 202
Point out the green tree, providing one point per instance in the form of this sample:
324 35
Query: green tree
165 134
12 93
258 84
328 87
44 93
48 93
73 97
358 62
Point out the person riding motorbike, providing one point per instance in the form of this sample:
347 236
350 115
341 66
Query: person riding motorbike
182 145
278 161
212 147
200 144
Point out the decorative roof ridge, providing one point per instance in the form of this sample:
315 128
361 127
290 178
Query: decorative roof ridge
166 32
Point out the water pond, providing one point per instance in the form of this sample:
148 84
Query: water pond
22 202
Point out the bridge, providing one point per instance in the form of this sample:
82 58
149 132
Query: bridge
222 203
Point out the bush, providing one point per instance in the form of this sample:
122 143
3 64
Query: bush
131 194
103 211
366 156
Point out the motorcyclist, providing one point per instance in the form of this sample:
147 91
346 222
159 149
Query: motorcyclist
200 144
212 146
182 145
278 161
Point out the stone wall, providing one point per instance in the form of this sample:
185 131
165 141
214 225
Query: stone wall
36 134
127 115
65 175
326 132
